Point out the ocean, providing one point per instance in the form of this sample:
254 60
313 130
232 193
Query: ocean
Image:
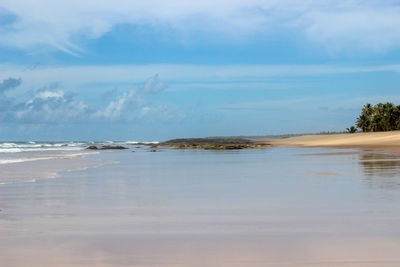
62 205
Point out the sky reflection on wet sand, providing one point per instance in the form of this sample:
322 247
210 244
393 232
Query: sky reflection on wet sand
273 207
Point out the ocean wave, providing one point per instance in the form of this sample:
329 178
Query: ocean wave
151 143
9 161
36 146
32 146
8 145
61 156
141 142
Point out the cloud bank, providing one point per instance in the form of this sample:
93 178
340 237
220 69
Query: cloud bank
9 84
78 76
370 25
52 105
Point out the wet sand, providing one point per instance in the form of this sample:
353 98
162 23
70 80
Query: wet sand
31 166
263 207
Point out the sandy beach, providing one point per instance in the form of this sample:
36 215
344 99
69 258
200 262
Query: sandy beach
384 140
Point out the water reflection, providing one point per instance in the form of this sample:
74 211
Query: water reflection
381 171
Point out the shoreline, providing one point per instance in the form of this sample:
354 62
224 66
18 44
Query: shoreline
371 140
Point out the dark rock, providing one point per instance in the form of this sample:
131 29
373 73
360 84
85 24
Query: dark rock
213 143
208 140
112 147
106 147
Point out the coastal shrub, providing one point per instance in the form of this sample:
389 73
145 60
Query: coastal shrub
378 118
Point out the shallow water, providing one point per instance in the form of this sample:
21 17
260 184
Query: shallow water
269 207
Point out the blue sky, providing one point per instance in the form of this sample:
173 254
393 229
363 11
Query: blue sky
154 70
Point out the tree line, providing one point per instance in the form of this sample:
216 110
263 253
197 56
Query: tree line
379 118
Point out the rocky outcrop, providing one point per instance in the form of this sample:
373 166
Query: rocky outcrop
113 147
105 147
213 143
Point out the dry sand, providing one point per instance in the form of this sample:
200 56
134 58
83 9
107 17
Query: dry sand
356 140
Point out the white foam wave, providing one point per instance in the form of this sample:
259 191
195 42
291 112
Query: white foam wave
67 156
33 146
8 145
8 161
131 142
145 142
10 150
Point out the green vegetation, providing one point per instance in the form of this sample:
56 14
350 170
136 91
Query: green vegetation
378 118
351 129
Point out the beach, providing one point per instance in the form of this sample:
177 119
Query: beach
384 140
275 206
199 133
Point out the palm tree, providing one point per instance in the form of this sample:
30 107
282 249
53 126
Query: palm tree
364 123
396 117
392 115
387 112
381 117
377 123
351 129
368 110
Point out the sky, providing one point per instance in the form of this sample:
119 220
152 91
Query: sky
156 70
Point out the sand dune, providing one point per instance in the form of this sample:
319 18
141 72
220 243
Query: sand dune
377 139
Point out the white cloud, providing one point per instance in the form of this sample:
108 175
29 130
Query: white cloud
77 77
120 108
154 85
367 24
51 107
160 112
49 94
374 29
130 106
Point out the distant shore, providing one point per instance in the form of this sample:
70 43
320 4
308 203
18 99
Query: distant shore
384 140
347 140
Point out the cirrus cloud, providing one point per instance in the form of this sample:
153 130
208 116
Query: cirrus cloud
367 24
